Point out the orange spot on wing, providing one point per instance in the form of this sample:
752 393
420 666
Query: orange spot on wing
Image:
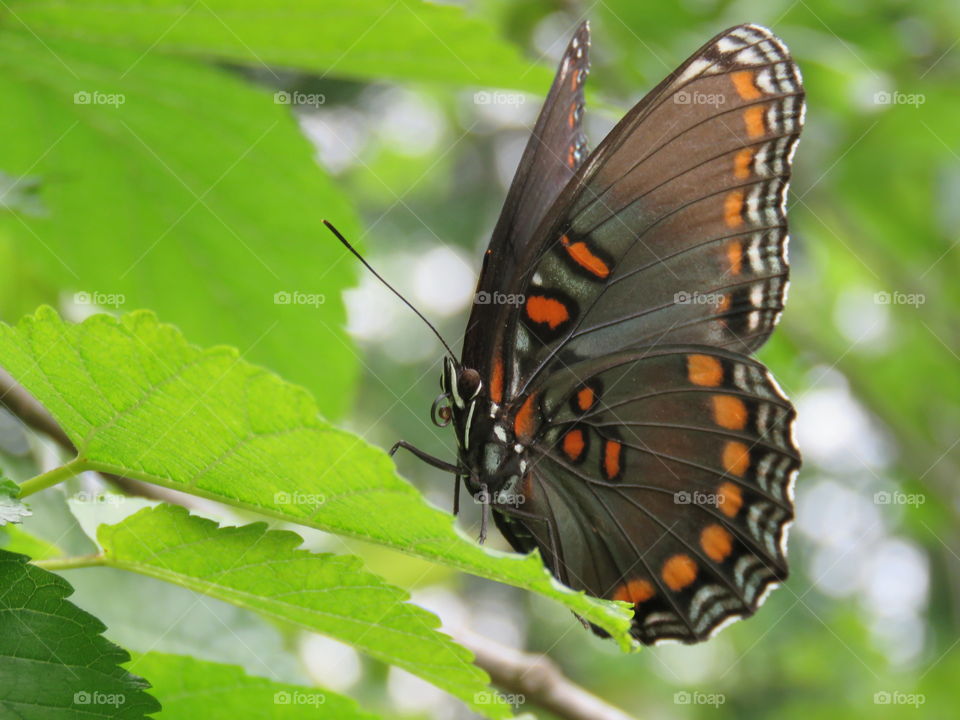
729 412
753 118
704 370
741 163
582 255
612 451
743 82
496 380
634 591
732 208
549 311
735 256
585 398
572 116
717 542
574 444
679 571
736 458
525 422
729 499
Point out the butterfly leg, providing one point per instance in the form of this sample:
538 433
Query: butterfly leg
456 495
427 458
484 510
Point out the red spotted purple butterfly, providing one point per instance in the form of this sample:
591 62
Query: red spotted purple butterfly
612 417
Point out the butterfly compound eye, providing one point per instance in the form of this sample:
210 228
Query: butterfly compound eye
468 383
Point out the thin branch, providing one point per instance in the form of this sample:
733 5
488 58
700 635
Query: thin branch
23 405
538 680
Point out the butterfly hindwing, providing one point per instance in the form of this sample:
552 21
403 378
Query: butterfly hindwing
662 477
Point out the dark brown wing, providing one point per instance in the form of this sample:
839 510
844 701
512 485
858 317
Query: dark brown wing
664 478
555 149
674 229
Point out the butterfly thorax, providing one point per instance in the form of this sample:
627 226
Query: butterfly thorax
491 458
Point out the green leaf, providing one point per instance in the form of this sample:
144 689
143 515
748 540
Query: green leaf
12 510
174 186
137 400
190 688
14 538
331 594
54 662
400 39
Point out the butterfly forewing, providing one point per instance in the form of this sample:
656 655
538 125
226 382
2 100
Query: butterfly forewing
555 150
684 199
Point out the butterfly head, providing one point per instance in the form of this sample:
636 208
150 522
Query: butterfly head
487 453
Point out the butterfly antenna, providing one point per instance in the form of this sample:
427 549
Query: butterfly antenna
392 289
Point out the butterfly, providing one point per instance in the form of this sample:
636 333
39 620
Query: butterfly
606 406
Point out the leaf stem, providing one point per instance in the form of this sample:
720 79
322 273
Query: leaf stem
51 477
69 563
